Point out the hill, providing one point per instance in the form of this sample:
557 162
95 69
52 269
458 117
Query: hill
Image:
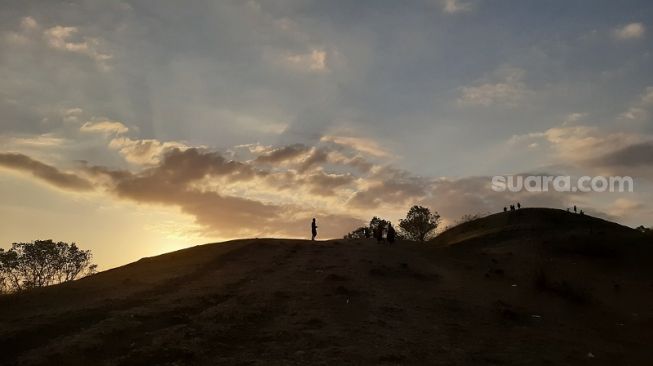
536 286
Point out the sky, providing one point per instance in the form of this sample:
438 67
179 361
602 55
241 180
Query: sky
135 128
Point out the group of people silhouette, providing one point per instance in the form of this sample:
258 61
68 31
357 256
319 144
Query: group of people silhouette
512 207
389 231
379 230
576 210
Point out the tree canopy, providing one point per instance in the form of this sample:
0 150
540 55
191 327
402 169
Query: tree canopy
419 223
42 263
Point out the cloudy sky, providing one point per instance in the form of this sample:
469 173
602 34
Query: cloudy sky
139 127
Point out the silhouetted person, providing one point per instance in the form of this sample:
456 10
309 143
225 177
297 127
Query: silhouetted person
505 208
582 213
313 229
366 232
379 232
512 207
574 208
518 205
391 233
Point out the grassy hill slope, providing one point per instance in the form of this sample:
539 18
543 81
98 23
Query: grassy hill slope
531 287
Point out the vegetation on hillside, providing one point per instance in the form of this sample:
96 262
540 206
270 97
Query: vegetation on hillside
42 263
419 225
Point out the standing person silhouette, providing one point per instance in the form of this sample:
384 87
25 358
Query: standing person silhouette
313 229
379 231
391 233
574 208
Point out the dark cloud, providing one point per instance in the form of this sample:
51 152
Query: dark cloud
196 181
323 184
283 154
391 186
632 156
171 183
44 172
316 157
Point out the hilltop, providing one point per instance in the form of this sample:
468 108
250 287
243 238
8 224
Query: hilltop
536 286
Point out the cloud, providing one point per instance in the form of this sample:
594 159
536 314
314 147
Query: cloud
71 115
508 92
389 186
27 30
593 150
455 6
639 111
177 181
143 152
282 154
28 24
44 172
629 31
39 141
105 127
63 38
315 60
623 207
635 155
361 144
573 118
60 38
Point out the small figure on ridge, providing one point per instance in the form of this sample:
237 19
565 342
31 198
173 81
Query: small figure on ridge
391 233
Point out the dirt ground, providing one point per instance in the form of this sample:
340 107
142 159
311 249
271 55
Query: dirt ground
542 288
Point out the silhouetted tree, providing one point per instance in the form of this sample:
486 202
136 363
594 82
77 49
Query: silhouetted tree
377 222
3 281
372 228
419 223
43 263
357 233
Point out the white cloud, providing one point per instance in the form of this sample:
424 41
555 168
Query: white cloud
39 141
316 60
572 118
60 38
143 152
361 144
106 127
508 92
579 144
71 115
28 24
629 31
